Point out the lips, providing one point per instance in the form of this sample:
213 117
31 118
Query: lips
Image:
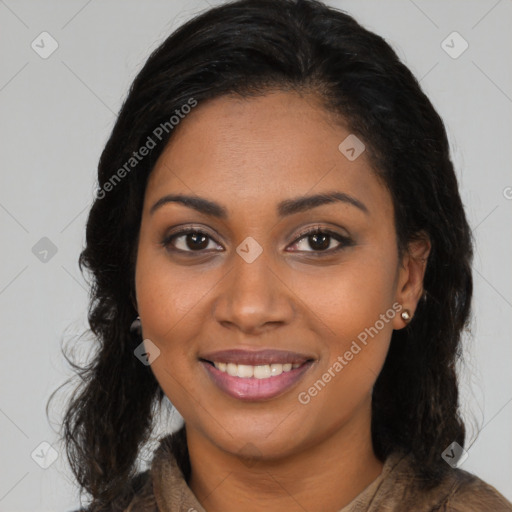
255 375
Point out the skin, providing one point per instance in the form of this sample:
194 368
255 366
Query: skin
248 155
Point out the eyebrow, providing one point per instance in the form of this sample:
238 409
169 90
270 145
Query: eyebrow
284 208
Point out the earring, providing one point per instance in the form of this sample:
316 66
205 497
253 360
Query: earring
136 327
406 316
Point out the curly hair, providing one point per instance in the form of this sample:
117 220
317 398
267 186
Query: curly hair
249 47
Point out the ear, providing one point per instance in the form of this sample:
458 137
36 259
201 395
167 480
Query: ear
410 277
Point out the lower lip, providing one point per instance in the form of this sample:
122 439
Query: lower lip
252 388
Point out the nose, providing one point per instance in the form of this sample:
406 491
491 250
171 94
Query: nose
253 298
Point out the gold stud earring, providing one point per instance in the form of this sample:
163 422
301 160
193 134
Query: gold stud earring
406 316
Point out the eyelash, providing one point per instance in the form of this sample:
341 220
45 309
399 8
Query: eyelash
317 230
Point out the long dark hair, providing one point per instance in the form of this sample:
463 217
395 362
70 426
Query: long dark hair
249 47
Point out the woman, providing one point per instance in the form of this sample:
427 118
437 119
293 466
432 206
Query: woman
278 246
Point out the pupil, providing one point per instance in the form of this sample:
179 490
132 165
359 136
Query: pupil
193 238
323 245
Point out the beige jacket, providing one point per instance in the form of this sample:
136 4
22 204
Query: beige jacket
164 489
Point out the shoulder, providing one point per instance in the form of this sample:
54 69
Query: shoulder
471 494
457 491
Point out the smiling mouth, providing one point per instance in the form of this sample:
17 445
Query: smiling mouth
256 374
255 382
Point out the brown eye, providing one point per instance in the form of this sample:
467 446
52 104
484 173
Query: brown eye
320 241
189 240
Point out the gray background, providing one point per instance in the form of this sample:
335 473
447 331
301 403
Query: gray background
55 116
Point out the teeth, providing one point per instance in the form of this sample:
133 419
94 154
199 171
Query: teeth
232 369
263 371
276 369
245 371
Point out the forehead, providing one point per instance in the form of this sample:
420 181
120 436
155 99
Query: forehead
258 151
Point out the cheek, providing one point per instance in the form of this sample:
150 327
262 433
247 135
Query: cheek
165 303
354 303
171 301
350 297
353 358
168 295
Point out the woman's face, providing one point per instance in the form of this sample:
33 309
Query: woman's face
297 325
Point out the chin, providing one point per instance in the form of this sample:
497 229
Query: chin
254 439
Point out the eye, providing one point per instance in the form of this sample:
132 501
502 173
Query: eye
187 240
320 240
192 240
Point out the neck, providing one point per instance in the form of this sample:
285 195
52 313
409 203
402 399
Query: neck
325 476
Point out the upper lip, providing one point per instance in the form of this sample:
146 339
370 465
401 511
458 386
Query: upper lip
256 357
